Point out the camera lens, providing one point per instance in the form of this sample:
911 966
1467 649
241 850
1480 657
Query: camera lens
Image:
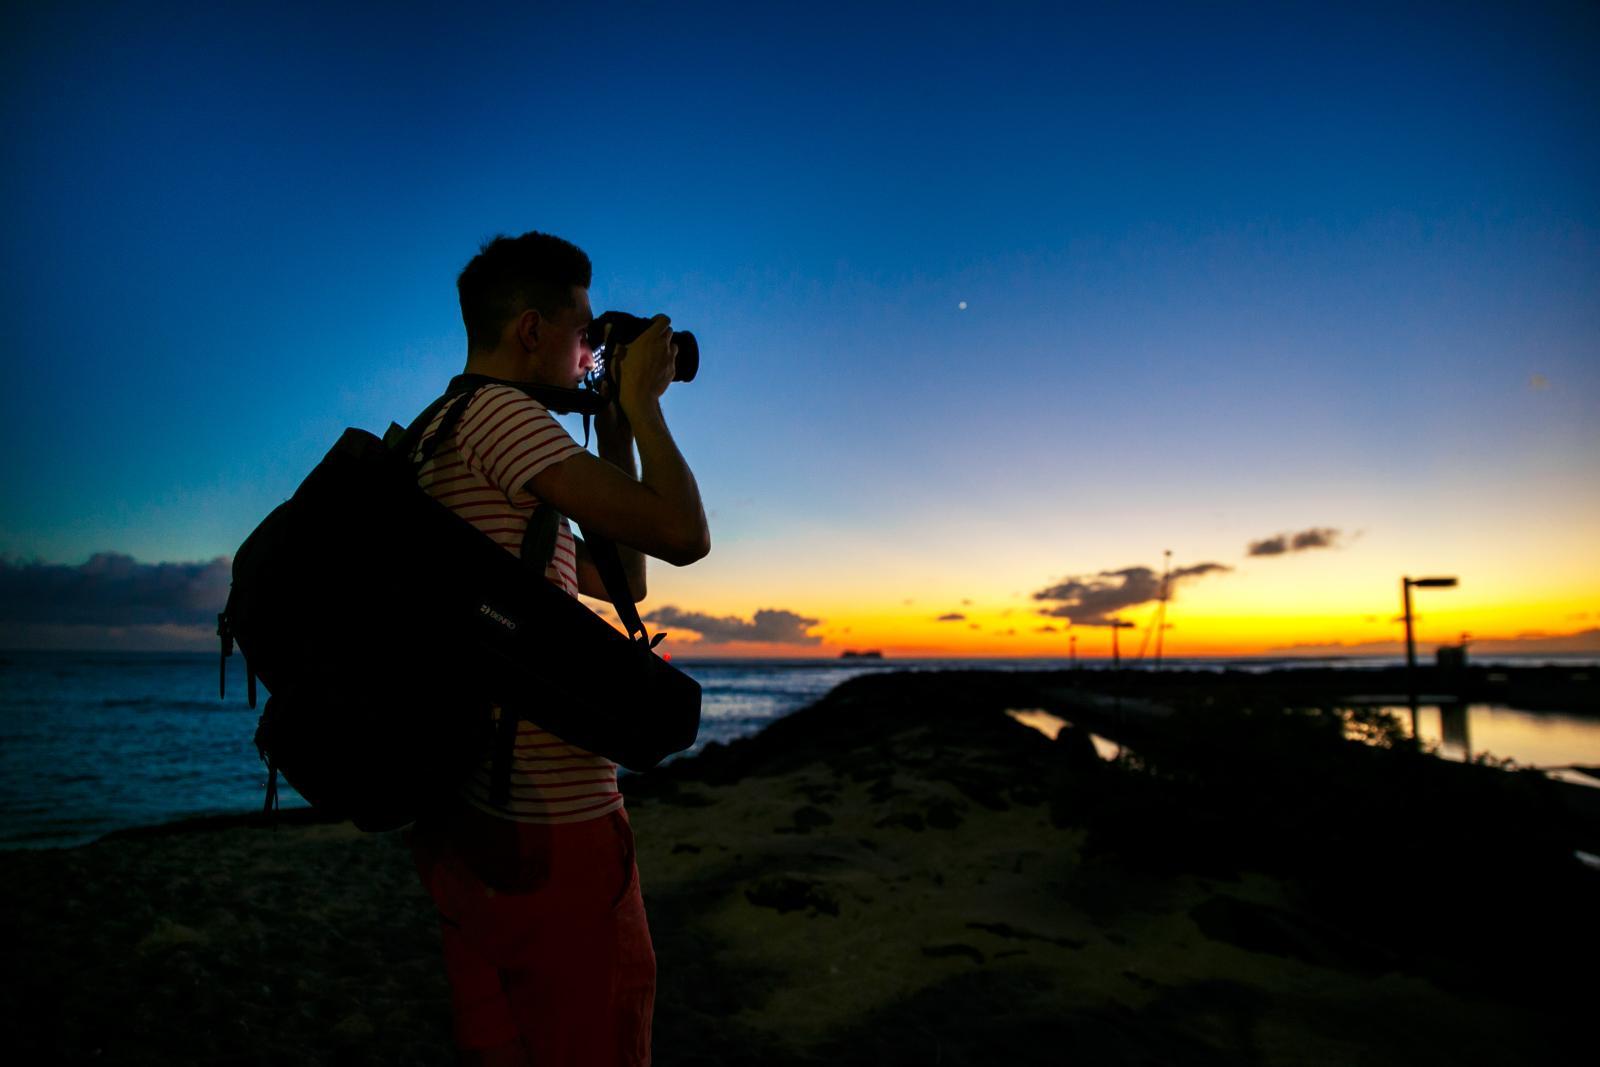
688 363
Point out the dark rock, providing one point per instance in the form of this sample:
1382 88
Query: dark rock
788 893
956 949
809 818
1008 931
1276 932
1140 980
943 815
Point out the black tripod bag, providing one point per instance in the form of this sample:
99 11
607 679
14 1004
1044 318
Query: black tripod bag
384 627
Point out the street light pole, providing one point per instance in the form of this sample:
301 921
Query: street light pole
1411 645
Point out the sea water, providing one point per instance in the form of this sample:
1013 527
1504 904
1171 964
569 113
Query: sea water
92 742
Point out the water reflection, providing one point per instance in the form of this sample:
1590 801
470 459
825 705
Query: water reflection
1550 741
1052 725
1556 743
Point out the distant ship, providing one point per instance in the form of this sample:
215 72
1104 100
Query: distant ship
870 653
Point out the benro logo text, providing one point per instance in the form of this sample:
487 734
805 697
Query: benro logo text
484 609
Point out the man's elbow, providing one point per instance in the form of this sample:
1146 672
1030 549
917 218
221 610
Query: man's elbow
695 545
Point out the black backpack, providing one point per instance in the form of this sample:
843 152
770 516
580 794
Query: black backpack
385 627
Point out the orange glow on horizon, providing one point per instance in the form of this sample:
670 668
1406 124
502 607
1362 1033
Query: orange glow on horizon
1194 629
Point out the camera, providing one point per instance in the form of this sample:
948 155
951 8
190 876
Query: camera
624 330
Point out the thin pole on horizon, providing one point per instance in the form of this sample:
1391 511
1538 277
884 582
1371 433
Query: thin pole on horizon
1411 646
1161 612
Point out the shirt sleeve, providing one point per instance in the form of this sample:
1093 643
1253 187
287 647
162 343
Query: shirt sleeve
511 437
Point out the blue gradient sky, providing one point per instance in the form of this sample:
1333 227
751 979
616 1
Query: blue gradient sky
1228 270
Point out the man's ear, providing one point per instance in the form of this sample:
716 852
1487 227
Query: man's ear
529 325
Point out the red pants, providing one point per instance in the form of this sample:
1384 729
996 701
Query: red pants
560 954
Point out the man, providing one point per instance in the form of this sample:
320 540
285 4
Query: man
546 943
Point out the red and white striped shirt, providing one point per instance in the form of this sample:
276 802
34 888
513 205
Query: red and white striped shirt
504 438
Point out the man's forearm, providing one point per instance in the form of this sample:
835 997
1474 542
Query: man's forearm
665 471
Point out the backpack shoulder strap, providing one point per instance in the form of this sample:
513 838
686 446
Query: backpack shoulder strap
404 442
539 542
447 428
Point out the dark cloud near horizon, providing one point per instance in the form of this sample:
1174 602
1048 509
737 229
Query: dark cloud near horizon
954 616
113 589
775 626
1093 600
1316 537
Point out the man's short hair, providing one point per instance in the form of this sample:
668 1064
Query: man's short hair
509 275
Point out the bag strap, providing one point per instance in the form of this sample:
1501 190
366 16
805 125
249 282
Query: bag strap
539 542
609 563
404 441
505 743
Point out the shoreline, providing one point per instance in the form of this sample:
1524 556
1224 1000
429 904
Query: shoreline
897 872
1521 688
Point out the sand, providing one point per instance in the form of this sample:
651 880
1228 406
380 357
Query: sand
900 874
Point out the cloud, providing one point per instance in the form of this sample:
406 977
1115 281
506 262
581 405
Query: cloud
768 626
954 616
1093 600
113 590
1271 546
1045 630
1316 537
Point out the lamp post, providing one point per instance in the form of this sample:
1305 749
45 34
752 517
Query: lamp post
1411 645
1116 653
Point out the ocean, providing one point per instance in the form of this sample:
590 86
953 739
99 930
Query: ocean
92 742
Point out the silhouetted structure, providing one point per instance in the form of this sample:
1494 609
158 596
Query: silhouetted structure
1411 645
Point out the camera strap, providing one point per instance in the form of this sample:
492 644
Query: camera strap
562 401
558 399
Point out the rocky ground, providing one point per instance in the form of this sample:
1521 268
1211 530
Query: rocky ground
902 873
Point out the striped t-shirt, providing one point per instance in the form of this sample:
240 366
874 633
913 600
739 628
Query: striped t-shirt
504 438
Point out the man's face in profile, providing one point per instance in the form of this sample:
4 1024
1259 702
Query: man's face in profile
565 356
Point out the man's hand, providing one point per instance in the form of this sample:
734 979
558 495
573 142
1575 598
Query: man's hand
660 514
645 368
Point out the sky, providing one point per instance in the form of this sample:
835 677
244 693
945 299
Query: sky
997 306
